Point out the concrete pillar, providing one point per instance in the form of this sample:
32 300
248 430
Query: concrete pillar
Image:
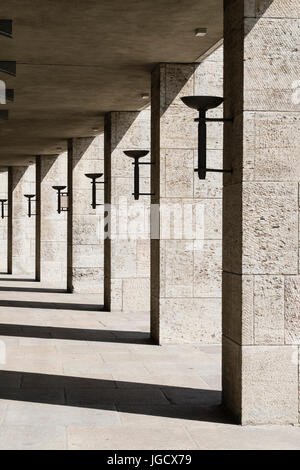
9 218
127 251
261 281
3 222
53 226
186 250
23 228
85 225
37 206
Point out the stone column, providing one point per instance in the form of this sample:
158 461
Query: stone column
3 222
186 250
23 233
53 226
261 282
9 218
37 205
85 225
127 251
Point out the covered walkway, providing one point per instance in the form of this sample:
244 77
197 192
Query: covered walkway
76 378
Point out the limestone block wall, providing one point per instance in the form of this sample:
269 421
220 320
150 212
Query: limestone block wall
3 222
85 225
53 231
127 253
186 264
22 251
261 296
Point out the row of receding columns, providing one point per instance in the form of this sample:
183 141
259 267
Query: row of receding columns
261 277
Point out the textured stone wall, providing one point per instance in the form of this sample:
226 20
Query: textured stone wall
85 225
3 222
127 253
186 267
53 231
23 228
261 282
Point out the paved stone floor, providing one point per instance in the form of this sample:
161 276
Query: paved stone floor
76 378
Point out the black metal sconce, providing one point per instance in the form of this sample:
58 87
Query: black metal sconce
203 104
62 205
3 114
10 94
9 67
3 203
94 177
136 155
30 200
6 28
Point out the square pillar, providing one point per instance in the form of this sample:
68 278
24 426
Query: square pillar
261 282
127 244
22 229
37 205
9 218
85 224
52 170
186 213
3 222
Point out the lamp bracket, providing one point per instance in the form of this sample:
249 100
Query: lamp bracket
213 119
214 170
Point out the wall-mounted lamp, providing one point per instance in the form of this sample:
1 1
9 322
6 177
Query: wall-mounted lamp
30 200
136 155
6 94
62 198
6 28
10 94
203 104
3 114
94 177
9 67
3 203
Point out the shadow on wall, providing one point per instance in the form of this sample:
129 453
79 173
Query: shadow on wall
18 172
120 131
47 165
127 397
85 144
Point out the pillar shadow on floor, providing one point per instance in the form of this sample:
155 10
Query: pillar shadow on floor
128 397
33 289
51 305
76 334
17 279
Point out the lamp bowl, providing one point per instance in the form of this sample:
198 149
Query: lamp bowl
93 176
136 153
202 103
29 195
59 188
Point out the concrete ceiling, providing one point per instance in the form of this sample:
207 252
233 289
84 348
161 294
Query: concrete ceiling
78 59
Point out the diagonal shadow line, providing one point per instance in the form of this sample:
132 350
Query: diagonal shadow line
129 397
76 334
51 305
33 289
